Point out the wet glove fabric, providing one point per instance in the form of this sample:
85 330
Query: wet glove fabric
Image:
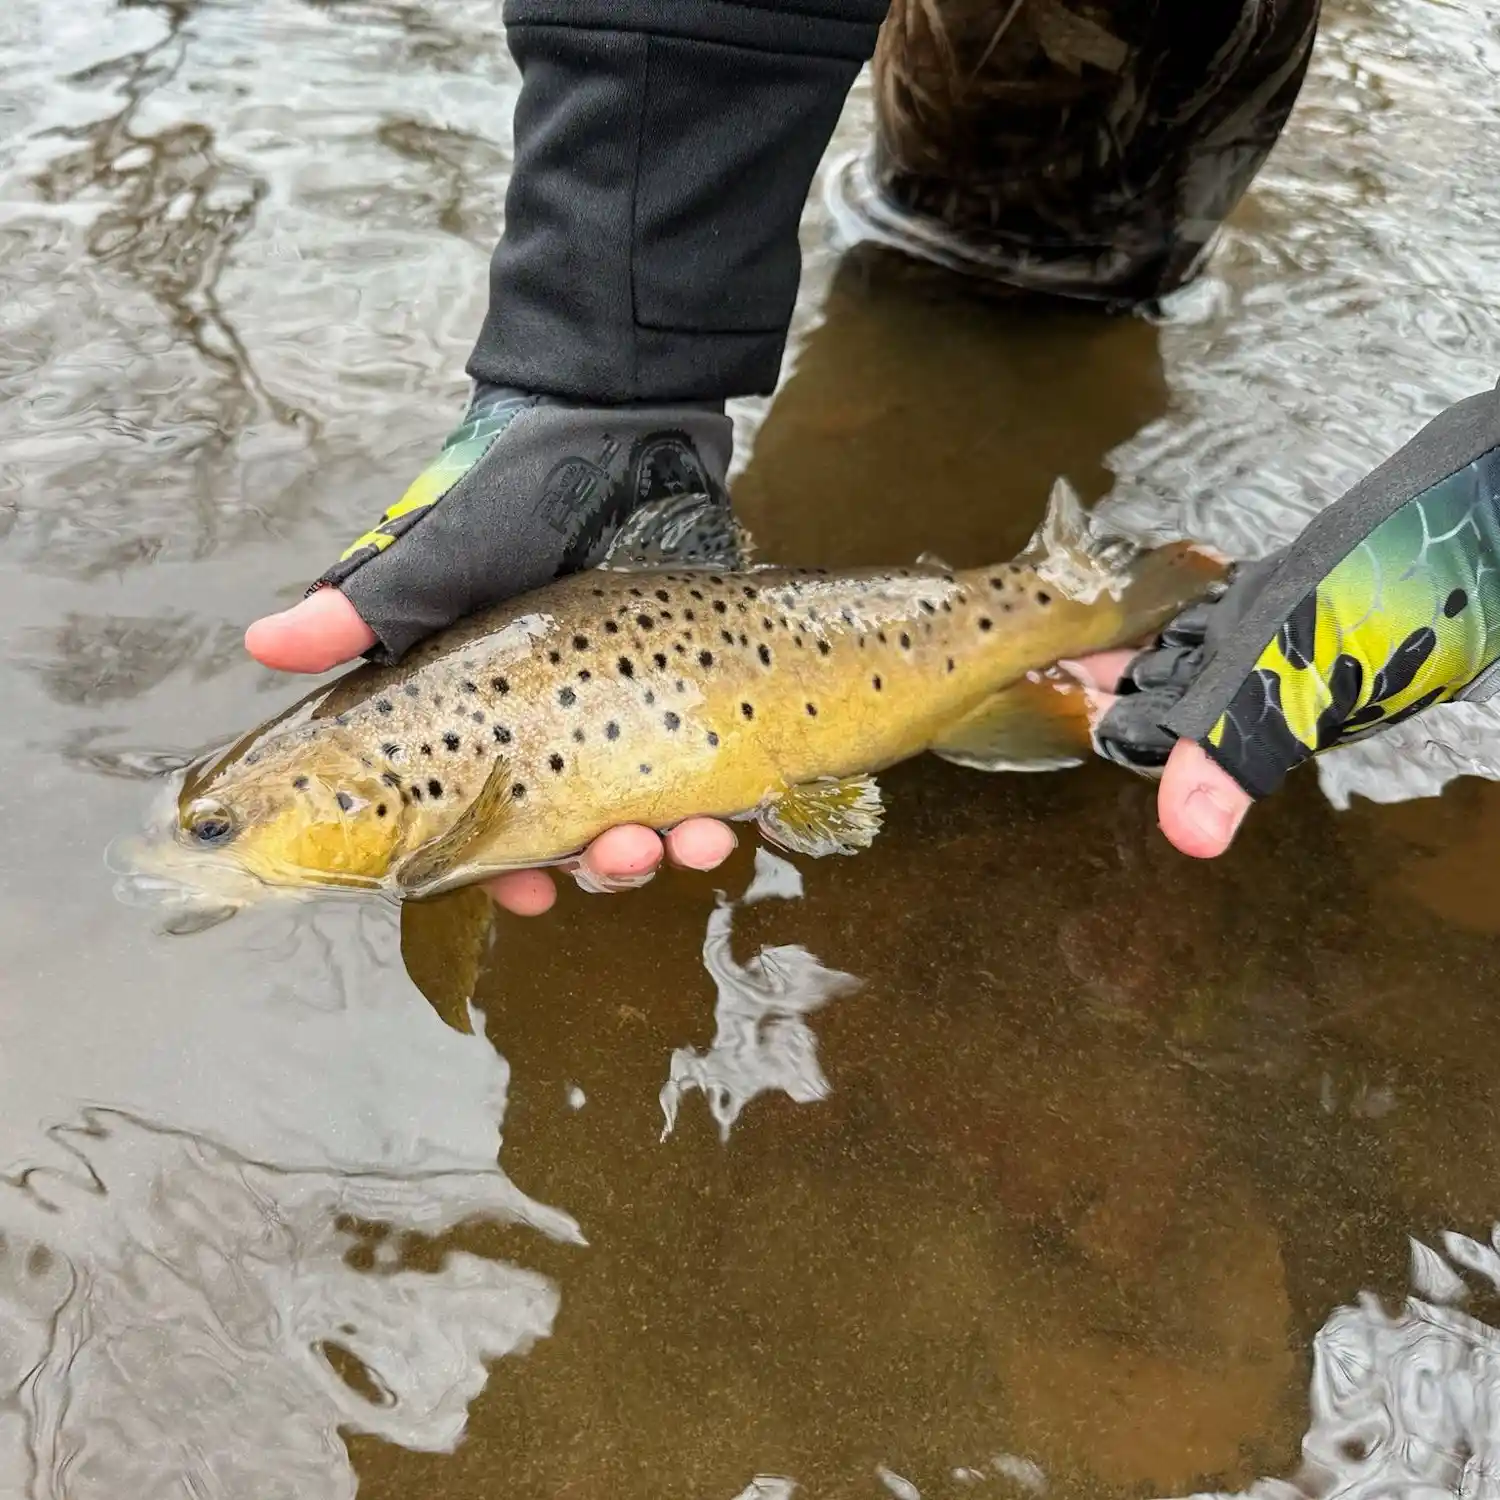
526 489
1388 603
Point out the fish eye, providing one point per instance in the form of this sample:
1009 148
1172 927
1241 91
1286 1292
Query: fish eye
210 823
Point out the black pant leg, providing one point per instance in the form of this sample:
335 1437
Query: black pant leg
664 151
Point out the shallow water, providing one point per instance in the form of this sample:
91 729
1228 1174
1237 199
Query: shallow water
1016 1154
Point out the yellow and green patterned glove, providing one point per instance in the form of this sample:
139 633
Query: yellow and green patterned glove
1388 603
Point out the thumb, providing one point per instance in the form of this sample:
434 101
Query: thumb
1198 804
321 632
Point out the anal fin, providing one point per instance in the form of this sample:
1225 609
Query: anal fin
829 816
1038 724
424 870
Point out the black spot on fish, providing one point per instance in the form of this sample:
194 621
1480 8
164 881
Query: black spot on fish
688 614
947 606
660 658
554 657
416 792
344 800
502 735
880 636
666 614
671 721
696 593
1455 603
713 739
905 641
611 730
580 643
300 784
812 710
411 690
824 648
555 761
610 628
766 623
764 652
380 809
705 658
748 709
567 697
451 741
679 686
720 607
645 769
577 736
469 687
715 578
518 790
477 716
434 787
1043 597
585 675
644 621
950 663
744 639
797 641
500 685
426 749
985 623
662 595
385 705
598 593
680 649
626 666
727 636
637 594
650 697
875 683
928 607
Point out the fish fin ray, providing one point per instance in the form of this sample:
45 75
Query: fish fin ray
683 532
1040 723
1069 551
423 871
834 815
932 560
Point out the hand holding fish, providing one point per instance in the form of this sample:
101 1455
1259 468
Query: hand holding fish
530 489
651 693
1388 603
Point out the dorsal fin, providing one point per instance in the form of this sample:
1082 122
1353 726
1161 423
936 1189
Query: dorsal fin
682 531
1071 554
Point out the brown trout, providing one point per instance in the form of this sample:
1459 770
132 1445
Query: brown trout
649 694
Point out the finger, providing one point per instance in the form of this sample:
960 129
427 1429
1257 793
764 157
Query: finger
700 843
323 631
1103 670
526 893
1199 806
622 857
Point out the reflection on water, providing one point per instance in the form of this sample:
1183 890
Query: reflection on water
761 1041
179 1320
1103 1174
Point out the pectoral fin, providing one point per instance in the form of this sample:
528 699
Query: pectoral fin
1038 724
824 817
422 872
444 941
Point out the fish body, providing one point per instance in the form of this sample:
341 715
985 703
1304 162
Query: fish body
649 695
